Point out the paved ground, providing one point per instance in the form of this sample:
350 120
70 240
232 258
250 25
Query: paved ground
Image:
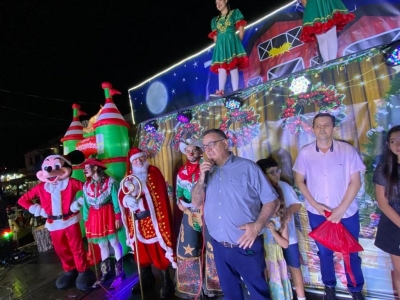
33 278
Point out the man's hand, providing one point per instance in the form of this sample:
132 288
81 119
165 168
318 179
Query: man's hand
204 167
117 224
321 208
337 214
249 236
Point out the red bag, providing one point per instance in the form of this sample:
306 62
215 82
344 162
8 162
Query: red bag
338 239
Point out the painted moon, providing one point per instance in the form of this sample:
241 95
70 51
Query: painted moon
156 98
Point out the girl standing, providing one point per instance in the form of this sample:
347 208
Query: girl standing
229 55
102 216
387 187
321 20
276 238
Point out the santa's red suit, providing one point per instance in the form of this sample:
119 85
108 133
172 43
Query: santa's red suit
156 241
63 224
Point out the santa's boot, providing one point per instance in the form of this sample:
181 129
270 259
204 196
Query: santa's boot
66 280
119 274
168 286
148 280
85 280
105 273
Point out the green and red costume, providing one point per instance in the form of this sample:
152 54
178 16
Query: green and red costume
228 51
322 15
101 209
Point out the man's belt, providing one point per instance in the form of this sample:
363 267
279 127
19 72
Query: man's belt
142 214
228 245
61 217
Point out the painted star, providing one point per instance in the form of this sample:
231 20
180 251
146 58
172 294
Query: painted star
173 91
183 79
209 50
195 64
174 74
188 249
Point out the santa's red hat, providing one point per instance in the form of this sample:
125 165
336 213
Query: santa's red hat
133 154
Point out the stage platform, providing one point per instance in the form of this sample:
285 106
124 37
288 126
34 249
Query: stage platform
34 277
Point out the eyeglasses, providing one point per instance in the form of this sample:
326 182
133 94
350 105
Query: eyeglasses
211 145
275 172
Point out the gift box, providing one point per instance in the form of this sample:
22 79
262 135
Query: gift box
42 238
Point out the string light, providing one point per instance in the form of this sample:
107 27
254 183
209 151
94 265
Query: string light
299 85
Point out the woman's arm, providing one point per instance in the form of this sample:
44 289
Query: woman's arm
241 32
281 238
384 206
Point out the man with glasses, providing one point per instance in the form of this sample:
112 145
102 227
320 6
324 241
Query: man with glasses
238 203
327 172
292 254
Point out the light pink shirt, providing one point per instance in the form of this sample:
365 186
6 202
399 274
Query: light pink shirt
327 175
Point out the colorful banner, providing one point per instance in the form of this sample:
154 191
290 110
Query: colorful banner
360 90
274 50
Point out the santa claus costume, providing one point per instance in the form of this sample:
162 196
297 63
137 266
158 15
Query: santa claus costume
58 203
152 222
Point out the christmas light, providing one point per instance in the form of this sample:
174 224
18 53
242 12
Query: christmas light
392 56
184 116
151 126
299 85
7 234
233 102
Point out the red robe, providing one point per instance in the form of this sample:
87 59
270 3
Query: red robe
158 227
56 200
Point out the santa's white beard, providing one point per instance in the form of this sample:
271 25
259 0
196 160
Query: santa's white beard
141 172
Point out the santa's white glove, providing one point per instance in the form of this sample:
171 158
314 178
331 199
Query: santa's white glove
132 186
76 205
131 203
37 210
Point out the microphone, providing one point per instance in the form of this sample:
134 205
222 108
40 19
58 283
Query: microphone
206 174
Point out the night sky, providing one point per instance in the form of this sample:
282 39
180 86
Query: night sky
56 53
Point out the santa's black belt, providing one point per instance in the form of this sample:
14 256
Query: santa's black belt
142 214
61 217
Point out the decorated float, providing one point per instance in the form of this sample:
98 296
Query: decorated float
284 87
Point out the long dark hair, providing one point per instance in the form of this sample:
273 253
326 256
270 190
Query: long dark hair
229 9
390 170
101 173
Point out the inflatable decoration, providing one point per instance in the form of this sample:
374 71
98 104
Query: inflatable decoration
106 139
